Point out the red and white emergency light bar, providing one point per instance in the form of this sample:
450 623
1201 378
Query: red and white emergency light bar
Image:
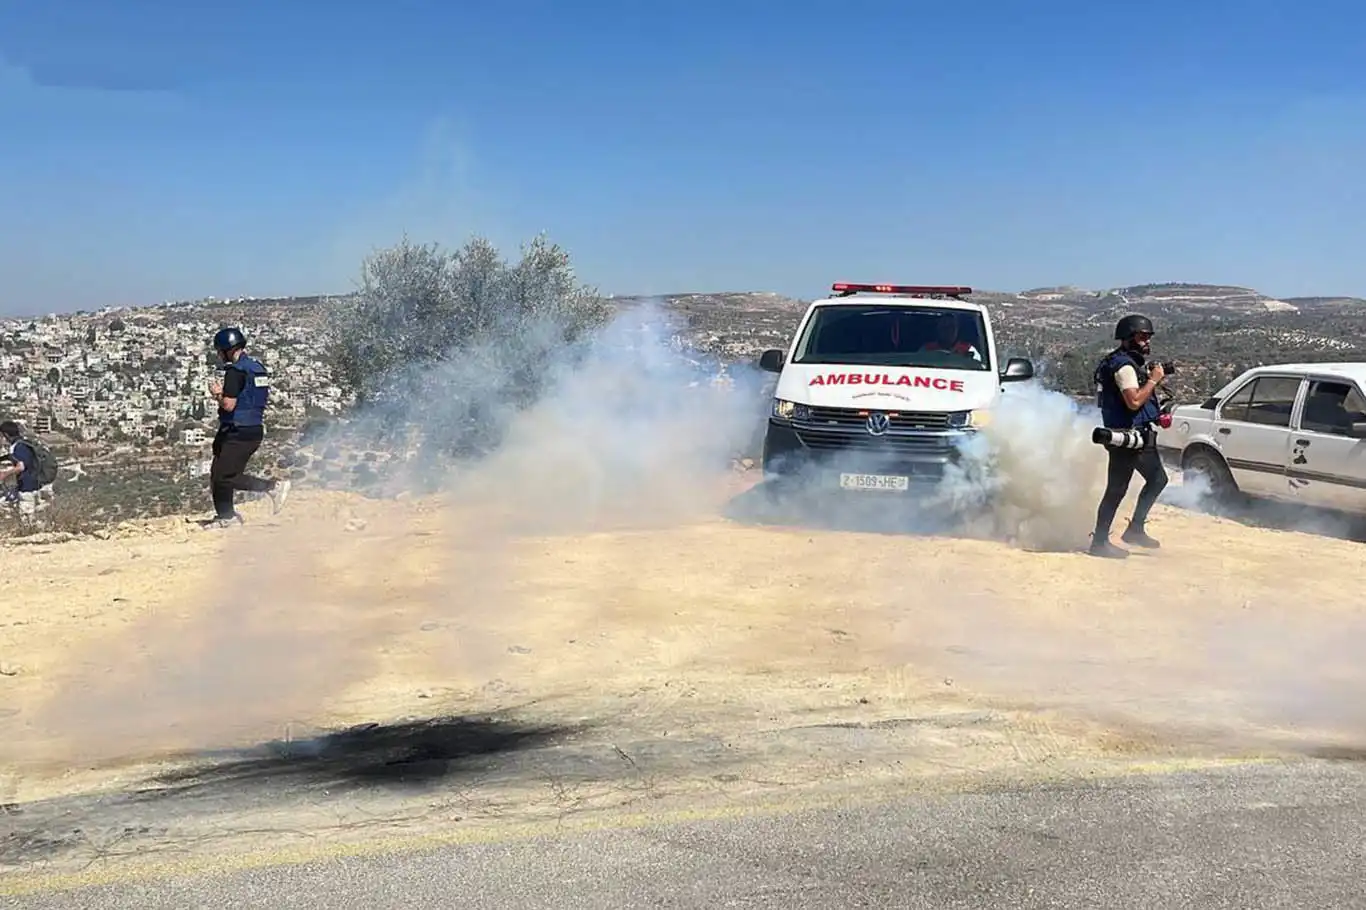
845 288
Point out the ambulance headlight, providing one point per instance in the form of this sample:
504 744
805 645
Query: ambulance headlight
790 410
970 420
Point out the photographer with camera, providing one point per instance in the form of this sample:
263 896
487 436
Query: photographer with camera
1126 393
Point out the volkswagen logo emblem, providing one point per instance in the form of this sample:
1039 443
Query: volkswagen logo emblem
878 423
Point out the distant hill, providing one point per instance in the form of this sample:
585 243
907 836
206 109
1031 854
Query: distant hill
1171 301
1211 330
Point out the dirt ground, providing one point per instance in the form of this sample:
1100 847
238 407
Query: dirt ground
128 653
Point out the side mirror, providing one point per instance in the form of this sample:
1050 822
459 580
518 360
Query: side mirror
1357 429
772 361
1018 369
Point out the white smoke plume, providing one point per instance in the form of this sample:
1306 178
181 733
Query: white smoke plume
638 430
629 428
1032 475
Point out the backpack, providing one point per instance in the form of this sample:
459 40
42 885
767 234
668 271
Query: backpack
46 468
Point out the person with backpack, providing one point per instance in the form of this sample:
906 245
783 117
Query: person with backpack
35 468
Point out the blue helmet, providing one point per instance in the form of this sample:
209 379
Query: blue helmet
229 339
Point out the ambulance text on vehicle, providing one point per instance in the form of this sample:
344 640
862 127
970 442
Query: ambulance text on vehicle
881 384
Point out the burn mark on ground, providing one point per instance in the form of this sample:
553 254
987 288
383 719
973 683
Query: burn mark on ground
353 767
363 776
406 754
1336 753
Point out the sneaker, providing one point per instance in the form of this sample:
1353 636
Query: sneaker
217 522
1108 550
278 494
1139 538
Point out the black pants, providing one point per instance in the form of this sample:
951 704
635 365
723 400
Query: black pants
232 449
1123 463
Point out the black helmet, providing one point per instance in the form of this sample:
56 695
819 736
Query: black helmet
229 339
1131 325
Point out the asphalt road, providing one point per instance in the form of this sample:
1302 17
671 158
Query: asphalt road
1246 837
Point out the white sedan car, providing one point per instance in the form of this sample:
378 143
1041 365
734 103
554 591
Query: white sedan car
1294 432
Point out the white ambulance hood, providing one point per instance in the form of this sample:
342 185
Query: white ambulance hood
887 388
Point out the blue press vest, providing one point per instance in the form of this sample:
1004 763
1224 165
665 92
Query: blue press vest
28 478
251 403
1114 413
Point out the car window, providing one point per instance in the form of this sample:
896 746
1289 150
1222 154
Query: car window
1332 407
1272 399
1235 405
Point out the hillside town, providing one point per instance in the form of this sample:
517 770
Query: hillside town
129 376
121 394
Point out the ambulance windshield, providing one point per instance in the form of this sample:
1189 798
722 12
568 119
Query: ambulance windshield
879 335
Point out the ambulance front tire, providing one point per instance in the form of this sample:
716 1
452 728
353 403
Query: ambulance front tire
779 486
779 477
784 460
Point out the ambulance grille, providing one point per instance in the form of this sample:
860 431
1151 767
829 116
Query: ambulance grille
856 419
908 432
919 445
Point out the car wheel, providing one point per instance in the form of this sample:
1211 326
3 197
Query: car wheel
1202 463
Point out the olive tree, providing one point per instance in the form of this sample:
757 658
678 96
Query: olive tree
445 338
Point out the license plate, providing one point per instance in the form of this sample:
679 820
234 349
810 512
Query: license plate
889 482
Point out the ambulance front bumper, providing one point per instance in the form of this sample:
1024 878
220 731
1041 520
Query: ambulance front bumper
861 455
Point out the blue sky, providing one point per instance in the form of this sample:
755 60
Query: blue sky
153 150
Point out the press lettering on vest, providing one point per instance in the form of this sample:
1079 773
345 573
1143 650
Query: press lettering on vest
919 382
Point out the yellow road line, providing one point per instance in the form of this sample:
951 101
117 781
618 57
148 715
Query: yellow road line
134 870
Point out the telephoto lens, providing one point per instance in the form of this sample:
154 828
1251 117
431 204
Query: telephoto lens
1117 439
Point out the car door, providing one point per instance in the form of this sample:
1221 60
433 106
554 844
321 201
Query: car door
1327 464
1252 430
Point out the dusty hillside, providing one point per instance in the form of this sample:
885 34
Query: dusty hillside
702 617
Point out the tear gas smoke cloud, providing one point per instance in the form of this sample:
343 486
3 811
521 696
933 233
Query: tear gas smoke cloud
239 661
1031 477
630 428
1232 669
1032 474
635 431
626 426
627 415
